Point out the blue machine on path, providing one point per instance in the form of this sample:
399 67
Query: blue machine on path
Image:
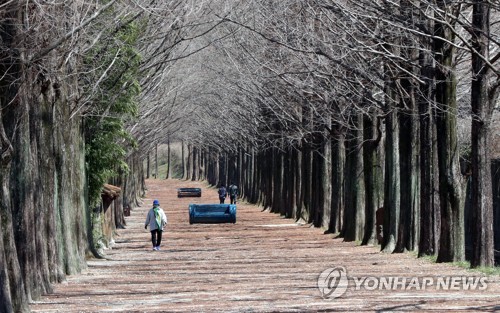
212 213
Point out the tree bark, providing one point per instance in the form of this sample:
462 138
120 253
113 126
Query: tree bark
409 175
156 161
5 294
298 184
337 182
169 162
276 176
183 160
189 158
354 217
425 97
42 155
451 246
319 190
392 183
370 144
482 204
307 164
427 208
292 170
13 296
326 178
195 163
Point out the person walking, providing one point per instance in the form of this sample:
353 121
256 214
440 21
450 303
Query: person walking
233 193
222 194
157 220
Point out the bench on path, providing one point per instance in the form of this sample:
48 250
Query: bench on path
212 213
188 192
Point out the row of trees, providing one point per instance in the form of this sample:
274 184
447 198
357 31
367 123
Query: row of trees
82 96
321 109
330 110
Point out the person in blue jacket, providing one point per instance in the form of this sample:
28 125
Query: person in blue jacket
233 193
222 194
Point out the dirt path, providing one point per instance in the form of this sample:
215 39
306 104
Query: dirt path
263 263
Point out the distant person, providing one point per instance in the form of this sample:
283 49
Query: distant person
233 193
156 219
222 194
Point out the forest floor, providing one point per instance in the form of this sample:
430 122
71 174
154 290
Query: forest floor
263 263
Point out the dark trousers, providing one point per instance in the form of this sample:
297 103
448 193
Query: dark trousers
233 199
156 237
222 199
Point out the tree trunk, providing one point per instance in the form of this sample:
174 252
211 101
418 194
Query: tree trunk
133 185
292 170
169 164
42 157
189 162
451 246
259 178
278 205
268 177
337 181
252 177
436 193
427 208
482 204
195 163
408 143
222 169
298 184
242 172
495 173
424 99
5 294
326 204
370 163
408 158
354 217
183 161
307 164
319 190
156 161
392 183
201 164
12 295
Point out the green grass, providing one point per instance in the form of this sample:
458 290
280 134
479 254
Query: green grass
490 270
487 270
462 264
162 172
431 258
